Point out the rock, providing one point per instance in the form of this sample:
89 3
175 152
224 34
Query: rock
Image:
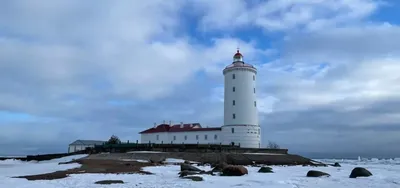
265 169
187 173
218 167
315 173
194 178
186 162
234 170
109 182
69 162
145 172
360 172
336 165
157 160
187 167
201 164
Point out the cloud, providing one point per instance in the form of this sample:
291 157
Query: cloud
344 44
278 15
79 69
336 87
84 70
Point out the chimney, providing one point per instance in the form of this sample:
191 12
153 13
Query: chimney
170 122
181 124
155 124
163 121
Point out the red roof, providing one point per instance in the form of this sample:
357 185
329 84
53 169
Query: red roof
238 53
179 128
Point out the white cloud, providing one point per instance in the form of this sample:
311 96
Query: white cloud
276 15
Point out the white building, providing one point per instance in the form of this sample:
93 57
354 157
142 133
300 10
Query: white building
79 145
240 115
181 133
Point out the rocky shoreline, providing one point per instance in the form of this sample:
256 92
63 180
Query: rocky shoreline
213 158
188 169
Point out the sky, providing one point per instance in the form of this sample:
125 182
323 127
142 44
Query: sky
328 70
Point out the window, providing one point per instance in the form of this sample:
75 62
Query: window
254 77
233 89
255 104
234 116
185 137
205 137
157 137
215 137
233 76
233 102
174 137
197 137
254 90
233 130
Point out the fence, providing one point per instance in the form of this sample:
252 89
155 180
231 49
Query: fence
126 147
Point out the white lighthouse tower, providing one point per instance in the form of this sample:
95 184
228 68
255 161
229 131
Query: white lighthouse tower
240 106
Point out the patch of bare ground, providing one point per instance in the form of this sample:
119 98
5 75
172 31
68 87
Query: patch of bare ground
107 182
95 166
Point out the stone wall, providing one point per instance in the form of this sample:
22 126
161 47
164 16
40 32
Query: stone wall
195 148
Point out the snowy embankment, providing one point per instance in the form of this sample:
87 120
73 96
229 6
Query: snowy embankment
386 174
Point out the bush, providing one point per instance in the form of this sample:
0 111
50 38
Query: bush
273 145
114 140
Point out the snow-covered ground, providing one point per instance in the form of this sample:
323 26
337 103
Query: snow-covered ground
10 168
386 174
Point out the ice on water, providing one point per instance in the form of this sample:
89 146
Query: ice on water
386 174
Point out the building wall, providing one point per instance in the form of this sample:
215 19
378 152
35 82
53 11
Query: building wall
240 103
248 136
74 148
152 137
192 137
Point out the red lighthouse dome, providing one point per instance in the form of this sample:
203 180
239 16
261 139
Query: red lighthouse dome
238 57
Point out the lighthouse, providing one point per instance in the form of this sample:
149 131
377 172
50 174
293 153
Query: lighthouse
241 126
